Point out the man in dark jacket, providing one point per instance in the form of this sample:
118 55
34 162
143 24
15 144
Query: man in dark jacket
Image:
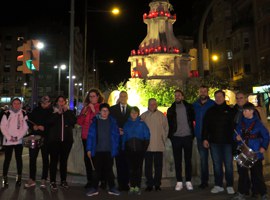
200 107
121 112
218 135
180 119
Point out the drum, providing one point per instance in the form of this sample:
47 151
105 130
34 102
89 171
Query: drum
246 157
33 141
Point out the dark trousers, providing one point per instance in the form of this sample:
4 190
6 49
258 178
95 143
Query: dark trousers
204 154
87 163
103 163
135 162
222 155
59 151
156 159
256 174
122 170
33 154
18 156
179 144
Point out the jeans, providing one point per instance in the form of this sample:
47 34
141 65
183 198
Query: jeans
33 154
156 159
103 164
257 179
222 154
18 156
59 152
87 163
178 145
204 154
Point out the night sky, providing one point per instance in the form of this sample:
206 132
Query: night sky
112 37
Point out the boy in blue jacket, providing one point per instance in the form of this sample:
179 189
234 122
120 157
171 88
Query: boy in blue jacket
135 142
252 132
102 147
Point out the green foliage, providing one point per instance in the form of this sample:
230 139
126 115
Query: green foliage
163 90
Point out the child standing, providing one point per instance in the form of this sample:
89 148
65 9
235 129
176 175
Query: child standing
135 142
252 132
102 147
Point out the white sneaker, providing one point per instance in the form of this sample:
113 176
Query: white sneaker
179 186
217 189
189 185
230 190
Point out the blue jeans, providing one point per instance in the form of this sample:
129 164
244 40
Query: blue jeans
204 154
222 154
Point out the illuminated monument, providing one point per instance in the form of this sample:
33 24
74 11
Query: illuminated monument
159 55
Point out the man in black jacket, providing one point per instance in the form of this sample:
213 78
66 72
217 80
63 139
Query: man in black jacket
218 136
180 119
121 112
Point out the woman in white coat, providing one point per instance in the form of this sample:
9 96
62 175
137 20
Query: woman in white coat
14 127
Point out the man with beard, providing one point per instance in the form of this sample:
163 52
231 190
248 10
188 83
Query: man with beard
180 119
200 107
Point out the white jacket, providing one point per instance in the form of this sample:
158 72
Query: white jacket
14 125
158 126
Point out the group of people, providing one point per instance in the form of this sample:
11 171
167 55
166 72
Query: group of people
53 124
120 134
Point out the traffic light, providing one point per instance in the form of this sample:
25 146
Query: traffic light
28 57
24 54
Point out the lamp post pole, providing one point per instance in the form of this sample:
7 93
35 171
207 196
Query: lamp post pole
71 56
200 39
59 80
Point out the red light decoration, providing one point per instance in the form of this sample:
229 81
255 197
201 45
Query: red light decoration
136 74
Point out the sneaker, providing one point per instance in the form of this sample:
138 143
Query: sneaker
189 185
114 191
230 190
43 184
64 185
88 185
131 190
18 181
30 183
238 196
157 188
265 197
217 189
203 185
179 186
137 191
53 187
4 182
148 188
92 192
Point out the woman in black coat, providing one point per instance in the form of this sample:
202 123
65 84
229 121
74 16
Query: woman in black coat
60 140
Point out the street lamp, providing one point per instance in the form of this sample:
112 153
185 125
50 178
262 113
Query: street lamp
115 11
62 67
215 59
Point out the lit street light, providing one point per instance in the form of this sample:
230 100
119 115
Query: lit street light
62 67
215 59
115 11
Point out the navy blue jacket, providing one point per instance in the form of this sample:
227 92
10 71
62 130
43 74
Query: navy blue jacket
92 136
262 138
136 135
200 110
